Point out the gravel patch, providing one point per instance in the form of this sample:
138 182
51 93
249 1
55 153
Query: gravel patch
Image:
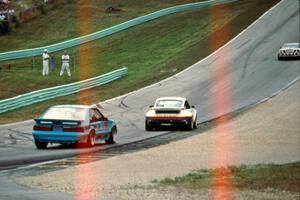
268 133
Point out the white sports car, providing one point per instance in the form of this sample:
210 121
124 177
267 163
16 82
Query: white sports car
169 111
289 50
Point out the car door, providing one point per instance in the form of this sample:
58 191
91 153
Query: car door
96 121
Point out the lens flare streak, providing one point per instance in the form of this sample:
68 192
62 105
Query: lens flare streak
221 103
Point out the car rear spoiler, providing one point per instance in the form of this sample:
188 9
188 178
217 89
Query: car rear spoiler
167 110
58 122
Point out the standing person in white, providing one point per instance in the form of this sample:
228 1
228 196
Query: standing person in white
45 63
65 64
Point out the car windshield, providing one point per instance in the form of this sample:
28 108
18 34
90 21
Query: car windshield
65 113
291 45
169 103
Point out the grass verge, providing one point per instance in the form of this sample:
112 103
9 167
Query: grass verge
165 46
284 177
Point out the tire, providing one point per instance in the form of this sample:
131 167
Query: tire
195 124
189 125
41 145
91 140
110 139
148 127
280 58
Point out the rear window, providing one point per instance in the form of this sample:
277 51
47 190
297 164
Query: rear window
168 104
65 114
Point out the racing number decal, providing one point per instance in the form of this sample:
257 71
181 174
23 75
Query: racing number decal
105 125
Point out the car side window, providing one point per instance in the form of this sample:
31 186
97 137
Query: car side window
95 115
92 115
99 114
186 105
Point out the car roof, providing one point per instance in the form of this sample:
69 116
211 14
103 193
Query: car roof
172 98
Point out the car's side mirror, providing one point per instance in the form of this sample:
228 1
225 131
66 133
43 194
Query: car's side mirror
151 106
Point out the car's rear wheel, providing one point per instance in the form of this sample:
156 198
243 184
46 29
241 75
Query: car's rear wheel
91 140
110 139
190 125
195 123
41 145
148 126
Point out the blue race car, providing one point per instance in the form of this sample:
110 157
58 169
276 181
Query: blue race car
73 124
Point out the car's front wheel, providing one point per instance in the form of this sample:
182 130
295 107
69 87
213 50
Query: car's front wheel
41 145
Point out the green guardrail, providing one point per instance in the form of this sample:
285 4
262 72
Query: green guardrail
50 93
109 31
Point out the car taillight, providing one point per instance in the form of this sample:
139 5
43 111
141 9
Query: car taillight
41 128
74 129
